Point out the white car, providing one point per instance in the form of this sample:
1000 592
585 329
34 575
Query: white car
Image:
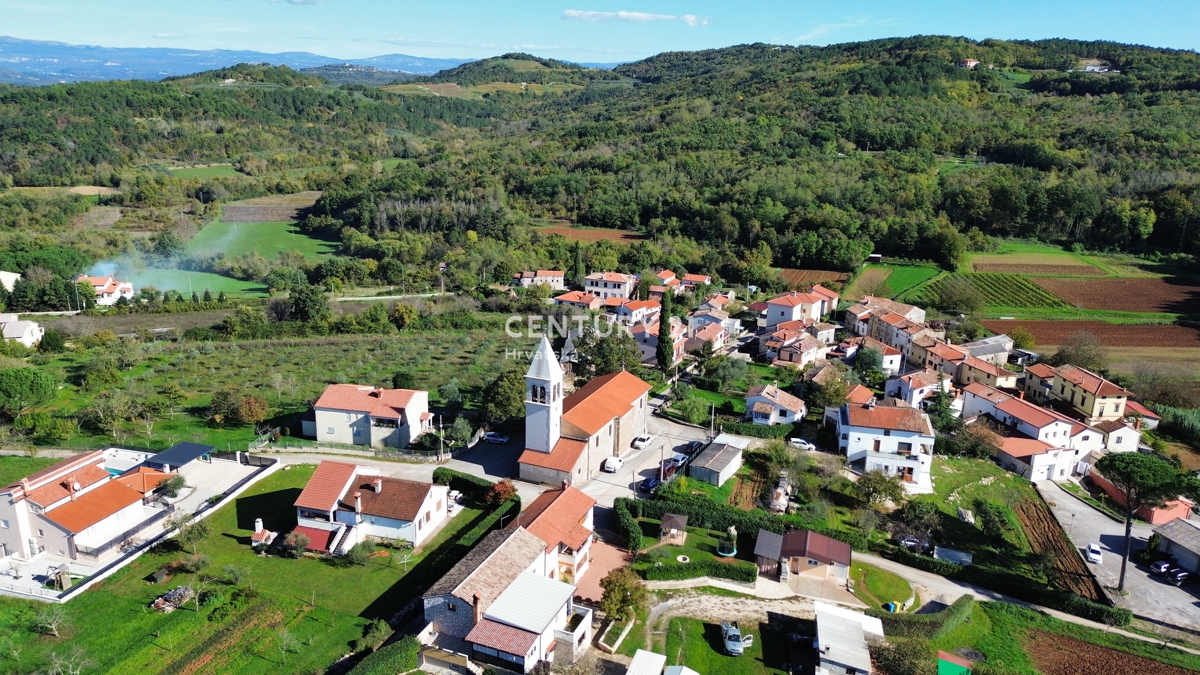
642 442
1093 554
493 437
612 464
802 444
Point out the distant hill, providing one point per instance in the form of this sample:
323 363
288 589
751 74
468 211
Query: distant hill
40 62
349 73
517 68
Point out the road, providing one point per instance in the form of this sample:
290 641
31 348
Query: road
1149 597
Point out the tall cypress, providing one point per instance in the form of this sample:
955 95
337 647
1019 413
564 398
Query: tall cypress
665 353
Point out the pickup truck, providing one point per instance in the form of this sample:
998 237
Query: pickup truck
735 642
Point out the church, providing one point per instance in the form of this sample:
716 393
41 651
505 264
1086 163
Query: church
567 439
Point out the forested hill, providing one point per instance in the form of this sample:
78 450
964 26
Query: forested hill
517 67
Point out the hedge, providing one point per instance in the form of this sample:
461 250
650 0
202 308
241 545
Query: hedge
397 657
701 568
757 430
473 487
473 535
929 626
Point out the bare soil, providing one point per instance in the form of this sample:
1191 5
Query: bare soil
804 278
866 281
1079 270
1111 334
1061 655
272 209
1047 537
1170 294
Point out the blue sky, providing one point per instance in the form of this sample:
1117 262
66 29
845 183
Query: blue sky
578 30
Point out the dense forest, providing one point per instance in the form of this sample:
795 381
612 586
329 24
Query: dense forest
729 161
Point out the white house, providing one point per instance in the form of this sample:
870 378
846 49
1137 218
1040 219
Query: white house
8 280
555 279
891 359
1034 460
915 387
108 290
801 352
637 311
1119 436
28 333
344 504
843 639
606 285
770 405
703 317
895 439
795 306
711 334
360 415
562 517
691 281
1043 424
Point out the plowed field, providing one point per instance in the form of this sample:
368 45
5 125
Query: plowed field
593 234
866 281
1061 655
1047 537
1126 295
809 277
1111 334
1051 270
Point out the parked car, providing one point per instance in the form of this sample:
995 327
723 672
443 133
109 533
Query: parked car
1161 566
735 642
612 464
693 448
1179 577
493 437
642 442
649 484
802 444
1093 554
667 468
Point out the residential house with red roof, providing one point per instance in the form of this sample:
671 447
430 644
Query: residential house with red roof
800 352
567 438
344 504
973 369
108 290
580 300
691 281
555 279
891 437
1093 398
562 517
891 359
718 300
1038 383
857 317
916 387
796 306
801 552
665 279
1036 460
78 509
646 335
630 312
1141 415
611 285
711 334
360 415
768 404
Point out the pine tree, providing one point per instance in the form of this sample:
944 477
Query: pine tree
207 295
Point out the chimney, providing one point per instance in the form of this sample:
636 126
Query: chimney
1021 394
1137 423
871 403
478 609
258 526
378 485
358 502
565 484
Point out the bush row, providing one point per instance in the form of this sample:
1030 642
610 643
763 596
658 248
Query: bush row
701 568
926 625
473 535
397 657
473 487
757 430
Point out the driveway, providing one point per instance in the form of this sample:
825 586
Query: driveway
1149 597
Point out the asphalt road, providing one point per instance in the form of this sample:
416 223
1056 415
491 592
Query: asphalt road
1149 596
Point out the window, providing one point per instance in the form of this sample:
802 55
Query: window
887 432
357 431
439 505
486 650
845 437
452 607
41 533
4 524
349 417
1086 437
329 430
1101 410
1115 440
783 413
813 563
904 447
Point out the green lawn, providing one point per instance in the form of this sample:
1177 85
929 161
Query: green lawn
266 239
701 545
876 586
217 171
699 646
14 468
187 281
738 402
903 278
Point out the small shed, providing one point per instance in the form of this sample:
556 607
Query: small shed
1181 538
717 463
178 455
674 529
646 663
950 555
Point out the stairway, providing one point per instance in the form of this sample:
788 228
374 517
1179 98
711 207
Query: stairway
341 541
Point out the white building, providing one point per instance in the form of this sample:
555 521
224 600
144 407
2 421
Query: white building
768 404
9 280
555 279
843 639
606 285
28 333
1034 460
108 290
1119 436
895 439
1043 424
360 415
915 387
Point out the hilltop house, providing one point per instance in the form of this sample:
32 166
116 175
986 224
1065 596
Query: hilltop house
580 300
768 404
555 279
566 439
108 290
27 333
361 415
344 504
895 439
611 285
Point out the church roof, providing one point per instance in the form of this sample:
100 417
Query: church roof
544 365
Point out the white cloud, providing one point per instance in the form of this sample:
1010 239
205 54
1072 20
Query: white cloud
848 22
589 16
165 36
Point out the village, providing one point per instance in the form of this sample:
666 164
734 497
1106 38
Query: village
824 472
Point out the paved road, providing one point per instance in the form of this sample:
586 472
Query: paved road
669 437
1149 597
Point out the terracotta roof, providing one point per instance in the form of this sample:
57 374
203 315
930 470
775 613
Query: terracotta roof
994 371
1021 448
562 457
1028 412
320 541
714 312
665 275
859 395
718 300
710 332
697 278
576 297
596 403
821 372
1091 382
762 407
374 401
1134 406
777 396
806 544
887 417
892 318
794 299
550 273
503 637
85 476
1109 426
557 516
492 575
876 345
615 301
142 478
93 507
610 276
38 478
1042 370
635 305
818 289
326 486
758 306
947 352
399 499
923 378
857 311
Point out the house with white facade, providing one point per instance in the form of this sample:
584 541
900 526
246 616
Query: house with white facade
691 281
1044 424
844 637
555 279
637 311
567 438
891 359
702 317
917 386
108 290
895 439
1119 436
1035 460
797 306
360 415
27 333
768 404
710 334
562 517
344 504
606 285
9 280
580 300
800 352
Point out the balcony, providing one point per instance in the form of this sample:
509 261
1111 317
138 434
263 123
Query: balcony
578 631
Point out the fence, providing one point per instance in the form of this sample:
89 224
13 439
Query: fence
123 538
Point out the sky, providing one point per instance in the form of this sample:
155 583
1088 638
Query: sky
599 31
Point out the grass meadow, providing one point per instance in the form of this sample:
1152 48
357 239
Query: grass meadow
187 281
266 239
211 171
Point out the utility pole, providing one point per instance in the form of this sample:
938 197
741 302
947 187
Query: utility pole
662 457
441 438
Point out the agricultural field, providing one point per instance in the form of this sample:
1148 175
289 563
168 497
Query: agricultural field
1007 291
274 208
806 278
1127 295
1025 254
206 171
871 278
448 89
1046 537
1040 270
1111 334
526 88
590 234
266 239
904 278
186 281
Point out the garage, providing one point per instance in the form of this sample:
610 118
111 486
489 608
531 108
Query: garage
1181 539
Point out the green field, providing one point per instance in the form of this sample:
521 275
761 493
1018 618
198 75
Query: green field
13 469
322 604
1007 290
215 171
903 278
266 239
876 586
186 281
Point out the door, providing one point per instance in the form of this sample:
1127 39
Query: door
876 448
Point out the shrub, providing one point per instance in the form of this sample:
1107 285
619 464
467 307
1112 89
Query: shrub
473 487
374 635
360 553
757 430
173 485
747 572
193 563
397 657
926 625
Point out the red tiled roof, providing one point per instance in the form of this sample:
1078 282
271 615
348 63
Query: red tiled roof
610 276
1020 448
326 486
562 457
1090 381
635 305
818 289
994 371
85 476
377 402
576 298
697 278
93 507
1134 406
777 396
947 352
596 403
1109 426
503 637
806 544
793 299
709 332
888 417
557 516
758 306
142 478
876 345
665 275
1042 370
923 378
859 395
614 301
550 273
1028 412
319 541
38 478
399 499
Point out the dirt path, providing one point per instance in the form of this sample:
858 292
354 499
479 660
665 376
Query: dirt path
708 607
